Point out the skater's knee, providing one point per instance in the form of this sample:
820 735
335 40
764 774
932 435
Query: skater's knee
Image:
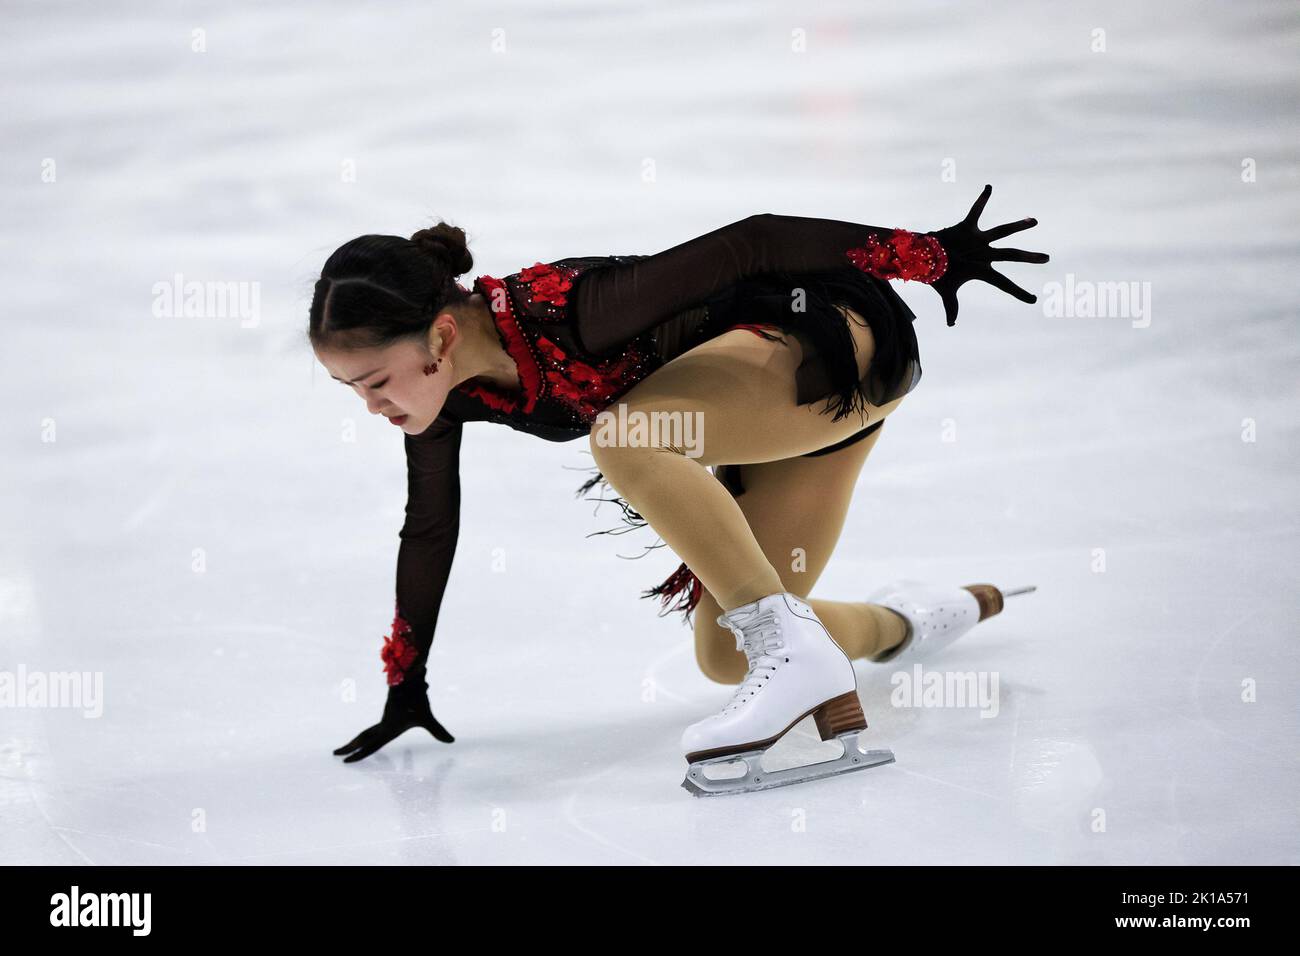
614 451
609 457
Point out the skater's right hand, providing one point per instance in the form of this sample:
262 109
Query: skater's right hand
407 707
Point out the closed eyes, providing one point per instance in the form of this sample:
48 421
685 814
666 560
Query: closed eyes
363 385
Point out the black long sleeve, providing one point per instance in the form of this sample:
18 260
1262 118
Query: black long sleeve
617 303
430 531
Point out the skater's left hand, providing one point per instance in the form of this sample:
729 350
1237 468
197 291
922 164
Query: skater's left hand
969 255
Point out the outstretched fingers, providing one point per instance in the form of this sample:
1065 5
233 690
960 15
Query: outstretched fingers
370 746
439 731
970 252
977 209
1006 229
995 278
1017 255
949 297
354 743
381 735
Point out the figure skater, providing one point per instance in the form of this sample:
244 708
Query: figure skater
779 334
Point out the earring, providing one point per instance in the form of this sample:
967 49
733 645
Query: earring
430 369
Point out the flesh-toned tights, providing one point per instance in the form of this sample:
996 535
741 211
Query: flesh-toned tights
738 391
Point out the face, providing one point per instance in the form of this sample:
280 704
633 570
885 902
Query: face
391 380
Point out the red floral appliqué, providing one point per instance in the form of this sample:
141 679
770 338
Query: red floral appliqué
585 388
901 255
551 351
548 373
398 652
546 284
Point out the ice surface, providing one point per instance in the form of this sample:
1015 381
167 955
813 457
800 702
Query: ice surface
1147 713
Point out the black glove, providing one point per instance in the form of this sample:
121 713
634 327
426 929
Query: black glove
407 707
969 255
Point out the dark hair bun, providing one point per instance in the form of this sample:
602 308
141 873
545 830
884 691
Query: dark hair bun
446 243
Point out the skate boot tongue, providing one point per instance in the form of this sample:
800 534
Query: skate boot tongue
756 626
758 631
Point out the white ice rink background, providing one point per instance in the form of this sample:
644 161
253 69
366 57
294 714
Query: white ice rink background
184 518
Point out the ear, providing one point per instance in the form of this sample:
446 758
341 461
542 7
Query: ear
443 333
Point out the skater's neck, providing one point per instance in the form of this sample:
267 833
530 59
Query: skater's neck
483 356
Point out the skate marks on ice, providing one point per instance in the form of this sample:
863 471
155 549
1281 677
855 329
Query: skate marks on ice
415 779
571 817
1243 624
27 767
23 763
670 656
931 733
584 822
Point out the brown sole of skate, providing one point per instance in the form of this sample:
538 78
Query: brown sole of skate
839 715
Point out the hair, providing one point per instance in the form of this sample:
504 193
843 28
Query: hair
375 290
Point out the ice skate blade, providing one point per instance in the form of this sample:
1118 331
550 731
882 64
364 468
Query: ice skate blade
756 778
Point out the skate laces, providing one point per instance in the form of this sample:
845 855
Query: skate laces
760 638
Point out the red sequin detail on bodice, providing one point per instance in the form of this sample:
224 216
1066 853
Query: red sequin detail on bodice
552 376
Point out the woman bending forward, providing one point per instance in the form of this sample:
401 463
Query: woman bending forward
773 349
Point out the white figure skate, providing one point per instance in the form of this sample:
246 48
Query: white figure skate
937 615
795 669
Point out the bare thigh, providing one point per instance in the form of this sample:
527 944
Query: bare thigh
742 388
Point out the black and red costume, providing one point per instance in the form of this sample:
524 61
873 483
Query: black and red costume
583 331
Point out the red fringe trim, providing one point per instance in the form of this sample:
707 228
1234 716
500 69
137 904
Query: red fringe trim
681 585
